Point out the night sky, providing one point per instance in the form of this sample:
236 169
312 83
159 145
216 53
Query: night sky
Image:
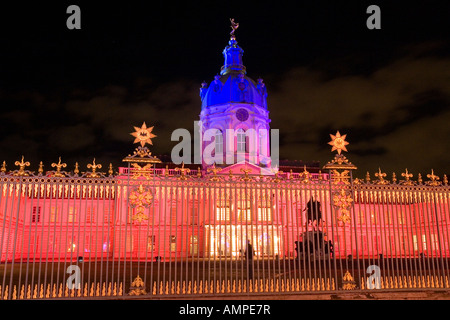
78 93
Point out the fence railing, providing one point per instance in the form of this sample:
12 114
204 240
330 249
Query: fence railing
167 233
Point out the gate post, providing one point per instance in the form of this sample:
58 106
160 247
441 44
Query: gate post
341 198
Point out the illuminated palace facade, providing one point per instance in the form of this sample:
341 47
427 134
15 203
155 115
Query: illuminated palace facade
151 210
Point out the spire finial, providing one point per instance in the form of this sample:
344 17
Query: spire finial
234 27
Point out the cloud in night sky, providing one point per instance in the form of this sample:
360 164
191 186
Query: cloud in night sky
396 116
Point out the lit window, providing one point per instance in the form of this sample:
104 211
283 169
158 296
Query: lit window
71 248
36 216
54 214
90 211
151 240
218 138
72 214
244 210
223 210
264 214
173 243
240 138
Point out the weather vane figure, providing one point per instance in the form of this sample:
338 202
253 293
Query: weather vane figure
234 27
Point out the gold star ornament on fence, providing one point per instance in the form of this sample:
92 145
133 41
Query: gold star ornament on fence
143 135
338 142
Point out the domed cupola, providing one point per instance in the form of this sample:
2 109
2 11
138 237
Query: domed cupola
235 101
232 85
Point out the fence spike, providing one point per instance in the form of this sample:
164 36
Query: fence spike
47 292
22 292
120 289
5 297
28 291
109 289
14 294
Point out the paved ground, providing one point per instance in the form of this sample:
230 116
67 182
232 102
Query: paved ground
354 295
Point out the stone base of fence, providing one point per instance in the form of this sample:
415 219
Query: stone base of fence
217 288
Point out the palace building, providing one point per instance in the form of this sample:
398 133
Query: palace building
150 210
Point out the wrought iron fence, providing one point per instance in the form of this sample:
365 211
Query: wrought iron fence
162 233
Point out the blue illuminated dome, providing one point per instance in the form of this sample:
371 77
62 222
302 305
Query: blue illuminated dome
232 85
234 101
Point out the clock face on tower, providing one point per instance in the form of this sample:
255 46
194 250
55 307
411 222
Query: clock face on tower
242 114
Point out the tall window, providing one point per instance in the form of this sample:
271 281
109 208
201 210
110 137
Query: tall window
401 217
54 214
264 208
173 213
107 215
223 210
90 211
361 217
265 214
151 241
244 209
173 243
218 139
72 214
263 142
36 215
240 140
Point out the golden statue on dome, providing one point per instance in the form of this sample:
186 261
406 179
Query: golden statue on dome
234 27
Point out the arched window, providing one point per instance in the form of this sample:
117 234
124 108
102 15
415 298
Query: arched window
218 139
263 143
240 141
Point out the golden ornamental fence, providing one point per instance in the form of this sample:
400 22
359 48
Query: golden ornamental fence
159 232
